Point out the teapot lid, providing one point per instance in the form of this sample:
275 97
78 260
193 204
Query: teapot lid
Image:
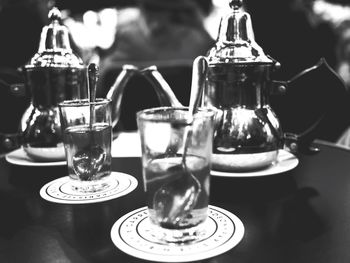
54 46
235 42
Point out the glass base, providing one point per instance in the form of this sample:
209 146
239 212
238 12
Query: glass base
178 236
91 186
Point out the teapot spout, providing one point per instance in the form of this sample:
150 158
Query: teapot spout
165 94
115 94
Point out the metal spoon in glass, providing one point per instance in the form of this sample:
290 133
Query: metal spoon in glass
88 161
175 200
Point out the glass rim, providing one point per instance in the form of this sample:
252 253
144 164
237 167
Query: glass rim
83 102
151 113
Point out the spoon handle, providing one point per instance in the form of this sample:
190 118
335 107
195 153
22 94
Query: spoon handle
93 77
199 72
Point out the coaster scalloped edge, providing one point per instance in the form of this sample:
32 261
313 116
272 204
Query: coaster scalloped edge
128 234
59 190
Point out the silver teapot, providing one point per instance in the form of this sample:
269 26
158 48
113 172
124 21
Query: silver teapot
238 83
53 74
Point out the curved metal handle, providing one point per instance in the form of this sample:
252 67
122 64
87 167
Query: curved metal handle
115 94
199 73
302 142
16 89
165 94
10 141
295 143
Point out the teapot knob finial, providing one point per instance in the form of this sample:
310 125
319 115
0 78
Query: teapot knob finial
55 14
236 4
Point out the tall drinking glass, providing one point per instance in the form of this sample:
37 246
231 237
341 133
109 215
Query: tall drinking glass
176 161
87 138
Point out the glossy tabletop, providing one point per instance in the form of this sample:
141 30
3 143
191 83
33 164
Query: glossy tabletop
302 215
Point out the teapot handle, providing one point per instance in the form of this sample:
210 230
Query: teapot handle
16 89
303 141
11 141
165 94
293 142
115 94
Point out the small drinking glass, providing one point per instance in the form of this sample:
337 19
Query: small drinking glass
176 162
87 138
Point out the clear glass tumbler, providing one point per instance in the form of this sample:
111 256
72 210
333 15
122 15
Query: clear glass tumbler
176 160
87 138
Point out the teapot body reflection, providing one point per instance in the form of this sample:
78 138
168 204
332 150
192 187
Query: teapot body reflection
40 124
248 133
54 74
238 85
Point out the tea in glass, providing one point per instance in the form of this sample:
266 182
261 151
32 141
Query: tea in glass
176 160
87 145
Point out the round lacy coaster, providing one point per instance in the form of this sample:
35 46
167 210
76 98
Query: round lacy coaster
62 191
131 234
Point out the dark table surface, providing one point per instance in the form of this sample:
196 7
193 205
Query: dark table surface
302 215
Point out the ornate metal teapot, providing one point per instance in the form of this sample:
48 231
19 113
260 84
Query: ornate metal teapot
53 74
238 85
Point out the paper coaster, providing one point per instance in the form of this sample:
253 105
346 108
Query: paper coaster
131 234
61 190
